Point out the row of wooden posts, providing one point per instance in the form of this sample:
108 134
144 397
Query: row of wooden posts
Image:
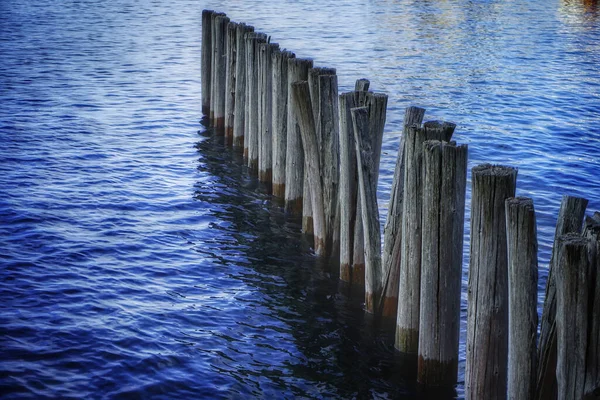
318 152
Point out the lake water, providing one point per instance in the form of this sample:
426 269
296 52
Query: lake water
138 259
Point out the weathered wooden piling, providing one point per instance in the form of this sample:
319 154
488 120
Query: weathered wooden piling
367 188
230 77
240 86
265 140
214 76
444 188
206 60
521 233
220 71
304 117
487 315
347 191
279 118
572 288
393 224
294 162
592 368
253 100
570 219
407 323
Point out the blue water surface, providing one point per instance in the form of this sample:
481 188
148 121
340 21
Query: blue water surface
139 259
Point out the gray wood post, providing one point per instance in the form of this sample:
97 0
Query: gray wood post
305 119
214 76
230 77
393 223
572 288
487 315
294 158
444 188
240 86
570 219
592 368
252 133
206 60
347 192
220 73
280 116
367 187
521 234
265 139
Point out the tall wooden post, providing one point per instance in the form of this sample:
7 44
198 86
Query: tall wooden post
206 60
216 43
220 73
521 233
487 315
230 77
239 118
252 133
444 188
265 142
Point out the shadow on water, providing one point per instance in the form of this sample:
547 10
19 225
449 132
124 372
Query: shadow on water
345 352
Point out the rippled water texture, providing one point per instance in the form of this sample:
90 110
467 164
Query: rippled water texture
139 259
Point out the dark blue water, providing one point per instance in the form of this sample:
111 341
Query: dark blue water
139 259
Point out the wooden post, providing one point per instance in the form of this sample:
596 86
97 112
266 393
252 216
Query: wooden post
572 284
444 188
230 77
313 84
487 315
220 73
240 86
305 119
294 162
393 224
214 77
265 142
367 187
347 192
439 130
206 61
252 133
358 252
592 368
570 219
407 323
280 116
521 234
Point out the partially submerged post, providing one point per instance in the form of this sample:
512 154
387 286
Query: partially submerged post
265 140
206 60
570 219
367 187
216 43
444 188
294 162
572 284
253 99
303 110
220 72
521 233
592 367
279 118
393 224
487 315
240 86
230 77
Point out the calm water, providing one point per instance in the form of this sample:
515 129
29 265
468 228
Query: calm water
139 259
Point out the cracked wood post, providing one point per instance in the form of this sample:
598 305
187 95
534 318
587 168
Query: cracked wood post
487 315
358 251
393 223
294 158
570 219
252 133
444 189
367 188
230 77
265 140
572 288
220 73
279 119
206 60
347 191
305 119
521 234
240 86
592 368
313 84
215 22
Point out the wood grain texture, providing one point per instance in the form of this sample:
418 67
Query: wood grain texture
240 86
206 60
230 78
265 139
